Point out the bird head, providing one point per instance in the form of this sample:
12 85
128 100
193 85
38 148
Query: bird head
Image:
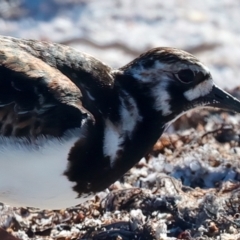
177 82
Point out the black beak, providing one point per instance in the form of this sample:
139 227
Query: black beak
221 99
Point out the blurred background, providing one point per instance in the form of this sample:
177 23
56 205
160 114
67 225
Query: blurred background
116 31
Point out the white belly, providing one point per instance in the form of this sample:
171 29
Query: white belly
33 176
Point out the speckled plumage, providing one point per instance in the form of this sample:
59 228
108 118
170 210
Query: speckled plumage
48 89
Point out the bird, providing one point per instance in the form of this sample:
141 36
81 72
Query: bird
70 125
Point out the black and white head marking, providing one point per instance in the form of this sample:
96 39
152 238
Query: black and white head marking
202 88
165 69
116 133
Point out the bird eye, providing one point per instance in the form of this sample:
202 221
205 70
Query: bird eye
185 76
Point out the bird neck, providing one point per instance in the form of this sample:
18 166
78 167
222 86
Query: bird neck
151 123
115 143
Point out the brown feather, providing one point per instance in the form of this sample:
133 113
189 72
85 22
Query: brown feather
35 96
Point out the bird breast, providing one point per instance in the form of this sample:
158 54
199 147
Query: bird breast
33 174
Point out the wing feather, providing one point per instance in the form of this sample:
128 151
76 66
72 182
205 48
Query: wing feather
35 97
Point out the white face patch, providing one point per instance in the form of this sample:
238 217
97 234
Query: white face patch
160 74
32 175
200 90
115 135
129 114
112 141
162 98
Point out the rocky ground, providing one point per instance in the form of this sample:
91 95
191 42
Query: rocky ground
188 186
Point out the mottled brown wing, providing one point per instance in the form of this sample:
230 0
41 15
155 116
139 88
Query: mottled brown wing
35 98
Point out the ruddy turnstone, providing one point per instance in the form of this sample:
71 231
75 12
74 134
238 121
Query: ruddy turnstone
71 125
